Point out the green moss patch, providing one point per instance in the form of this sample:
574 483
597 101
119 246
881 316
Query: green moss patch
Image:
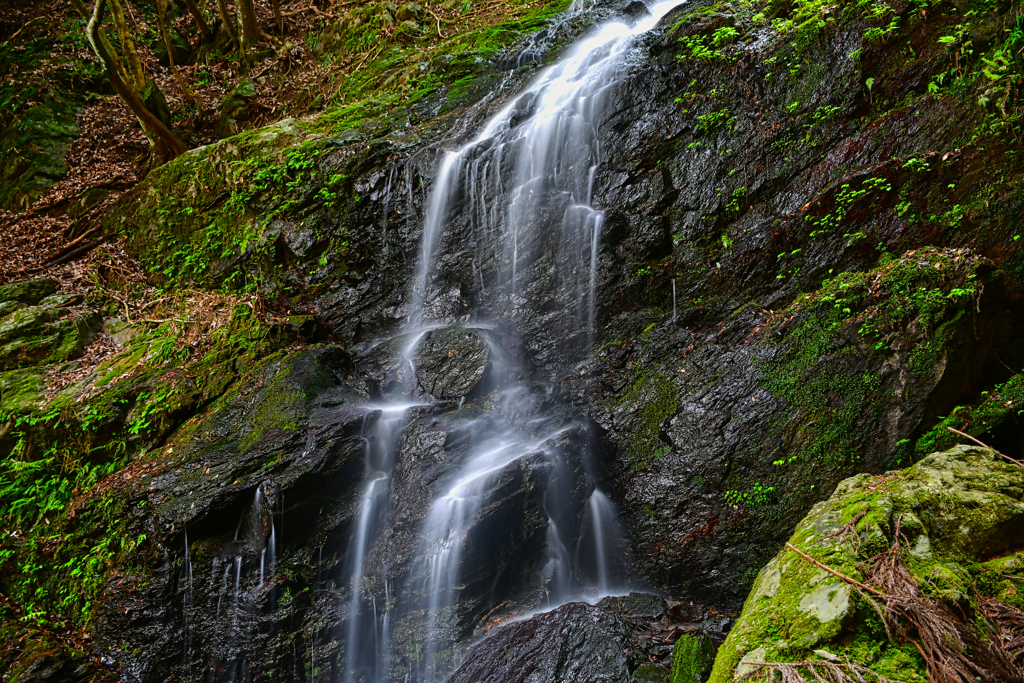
652 399
823 371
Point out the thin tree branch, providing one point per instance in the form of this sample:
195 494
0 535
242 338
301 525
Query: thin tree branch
847 579
197 14
968 436
135 71
161 17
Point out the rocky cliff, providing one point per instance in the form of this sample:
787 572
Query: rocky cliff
807 267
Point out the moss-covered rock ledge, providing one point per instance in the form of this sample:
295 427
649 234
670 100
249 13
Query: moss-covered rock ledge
954 520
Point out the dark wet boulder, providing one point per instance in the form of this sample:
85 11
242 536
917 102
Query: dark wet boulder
576 643
634 10
693 656
635 605
451 362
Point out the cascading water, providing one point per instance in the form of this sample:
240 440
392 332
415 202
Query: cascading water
541 150
367 635
530 168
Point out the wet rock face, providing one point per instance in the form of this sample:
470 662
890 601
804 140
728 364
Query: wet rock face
249 512
576 643
737 431
451 362
503 550
664 641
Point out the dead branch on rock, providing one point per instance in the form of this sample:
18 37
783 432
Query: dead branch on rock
1010 622
833 572
951 650
968 436
952 653
819 672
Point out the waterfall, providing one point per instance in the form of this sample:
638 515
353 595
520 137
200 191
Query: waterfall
540 150
600 517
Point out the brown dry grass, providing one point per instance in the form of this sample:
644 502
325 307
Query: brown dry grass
951 650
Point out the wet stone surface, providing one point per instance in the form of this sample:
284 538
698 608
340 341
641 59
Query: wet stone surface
451 362
618 639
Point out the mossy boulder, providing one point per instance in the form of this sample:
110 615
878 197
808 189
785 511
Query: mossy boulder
40 334
954 511
25 293
234 107
32 151
693 655
652 672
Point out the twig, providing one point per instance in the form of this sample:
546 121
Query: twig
154 302
72 255
431 13
296 11
845 578
968 436
23 27
75 242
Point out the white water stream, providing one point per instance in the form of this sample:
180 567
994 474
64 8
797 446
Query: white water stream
541 144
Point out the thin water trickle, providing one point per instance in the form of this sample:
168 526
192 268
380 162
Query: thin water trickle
673 302
271 551
387 207
238 583
366 635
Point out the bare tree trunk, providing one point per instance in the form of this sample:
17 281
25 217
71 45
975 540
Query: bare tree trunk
276 4
118 64
227 20
161 17
251 32
165 144
135 70
197 14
